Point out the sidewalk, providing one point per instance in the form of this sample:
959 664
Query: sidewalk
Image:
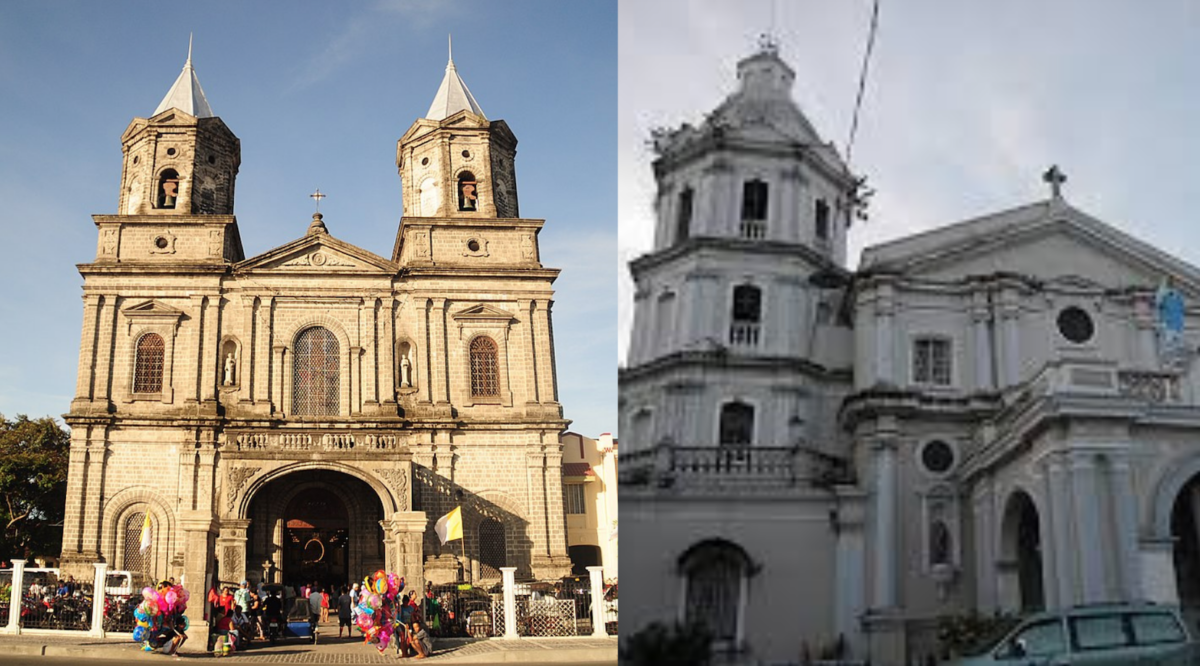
330 650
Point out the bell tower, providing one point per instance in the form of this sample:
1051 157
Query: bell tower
182 160
177 184
455 162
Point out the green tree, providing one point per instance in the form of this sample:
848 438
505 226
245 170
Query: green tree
660 645
33 485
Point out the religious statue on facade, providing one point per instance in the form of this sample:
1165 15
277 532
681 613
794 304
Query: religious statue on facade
230 366
405 372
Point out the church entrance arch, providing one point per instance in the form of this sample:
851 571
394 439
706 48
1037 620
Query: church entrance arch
1185 534
1020 570
315 525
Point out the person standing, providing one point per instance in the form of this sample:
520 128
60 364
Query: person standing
324 606
314 610
226 601
344 604
242 597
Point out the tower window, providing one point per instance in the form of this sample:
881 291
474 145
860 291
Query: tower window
932 361
746 315
468 196
822 220
737 424
168 189
754 200
148 364
683 220
485 376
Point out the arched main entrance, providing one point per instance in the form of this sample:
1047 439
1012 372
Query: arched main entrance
1185 531
315 525
1021 566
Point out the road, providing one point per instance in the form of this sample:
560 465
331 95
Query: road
16 660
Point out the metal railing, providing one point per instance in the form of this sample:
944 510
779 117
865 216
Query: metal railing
668 465
743 334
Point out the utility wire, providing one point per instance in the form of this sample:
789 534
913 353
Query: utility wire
862 78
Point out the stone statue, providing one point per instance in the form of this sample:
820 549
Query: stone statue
230 365
405 372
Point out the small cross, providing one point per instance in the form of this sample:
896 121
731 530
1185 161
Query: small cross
1056 178
318 196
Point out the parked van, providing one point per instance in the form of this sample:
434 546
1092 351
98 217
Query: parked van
1101 634
118 583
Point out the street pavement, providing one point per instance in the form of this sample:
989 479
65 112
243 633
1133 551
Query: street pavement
45 650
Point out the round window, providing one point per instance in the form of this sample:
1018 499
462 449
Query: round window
466 153
1075 325
170 151
937 457
161 242
424 161
212 159
473 245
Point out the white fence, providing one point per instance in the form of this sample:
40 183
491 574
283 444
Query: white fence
75 614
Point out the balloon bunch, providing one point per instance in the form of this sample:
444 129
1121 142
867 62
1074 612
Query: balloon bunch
377 607
164 606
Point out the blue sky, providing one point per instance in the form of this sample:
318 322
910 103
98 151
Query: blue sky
318 93
967 105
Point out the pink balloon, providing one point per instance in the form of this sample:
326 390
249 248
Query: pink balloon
148 592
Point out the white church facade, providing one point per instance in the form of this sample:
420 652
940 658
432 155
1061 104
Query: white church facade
999 415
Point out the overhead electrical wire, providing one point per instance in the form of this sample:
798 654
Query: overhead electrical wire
862 79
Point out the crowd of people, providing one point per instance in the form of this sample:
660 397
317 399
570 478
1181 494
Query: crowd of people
243 615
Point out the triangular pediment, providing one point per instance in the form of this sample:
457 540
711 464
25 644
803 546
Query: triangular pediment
1049 241
318 253
151 309
173 116
483 312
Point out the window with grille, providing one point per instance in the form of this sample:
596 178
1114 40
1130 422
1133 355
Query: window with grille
493 551
315 379
747 312
715 574
754 200
148 364
133 558
485 375
573 498
932 361
737 424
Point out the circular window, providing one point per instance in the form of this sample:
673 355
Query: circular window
1075 325
424 161
212 159
170 151
161 242
473 245
466 153
135 159
937 457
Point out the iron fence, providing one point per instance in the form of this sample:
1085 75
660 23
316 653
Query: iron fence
52 603
122 594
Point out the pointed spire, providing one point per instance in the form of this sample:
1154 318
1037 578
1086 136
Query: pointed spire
452 96
186 94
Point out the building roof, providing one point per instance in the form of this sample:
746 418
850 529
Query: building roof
186 95
452 96
577 469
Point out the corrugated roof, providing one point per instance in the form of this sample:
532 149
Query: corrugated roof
577 469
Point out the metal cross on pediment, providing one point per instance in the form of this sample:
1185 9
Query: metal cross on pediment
318 196
1055 178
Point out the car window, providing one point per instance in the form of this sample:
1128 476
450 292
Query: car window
1042 639
1150 628
1096 632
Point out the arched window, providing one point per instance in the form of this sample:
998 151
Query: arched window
168 189
683 219
485 375
746 315
133 557
148 364
493 551
715 574
737 424
315 373
468 196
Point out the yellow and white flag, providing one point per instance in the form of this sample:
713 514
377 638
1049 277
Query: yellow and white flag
145 533
449 526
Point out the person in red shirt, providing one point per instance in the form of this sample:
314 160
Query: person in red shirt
226 600
324 606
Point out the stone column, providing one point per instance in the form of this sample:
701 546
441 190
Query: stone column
244 372
356 380
93 503
1010 320
209 349
97 630
386 361
1088 532
87 348
280 391
598 615
1124 501
790 217
368 313
231 549
884 546
984 506
440 392
75 510
423 373
508 575
16 596
1058 565
197 528
262 354
102 391
981 317
407 529
850 573
885 341
535 461
545 352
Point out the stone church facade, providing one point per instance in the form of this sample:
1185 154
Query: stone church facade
308 413
998 415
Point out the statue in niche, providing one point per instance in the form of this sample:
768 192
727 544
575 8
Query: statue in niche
230 367
405 372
